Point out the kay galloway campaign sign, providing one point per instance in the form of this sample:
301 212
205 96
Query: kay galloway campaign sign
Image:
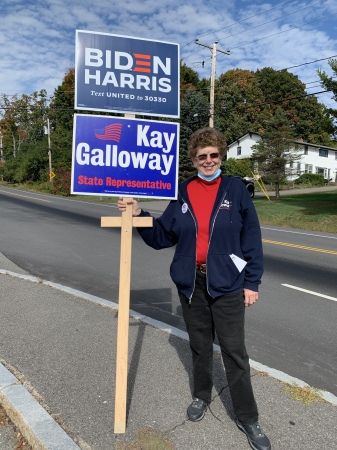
119 156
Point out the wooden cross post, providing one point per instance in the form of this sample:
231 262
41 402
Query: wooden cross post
126 222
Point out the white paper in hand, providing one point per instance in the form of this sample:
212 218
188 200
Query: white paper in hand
239 262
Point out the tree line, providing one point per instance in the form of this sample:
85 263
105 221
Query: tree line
265 101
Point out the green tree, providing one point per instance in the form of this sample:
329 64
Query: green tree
330 84
62 104
30 165
62 114
306 116
13 134
194 114
189 79
23 119
25 144
247 101
274 153
242 167
238 103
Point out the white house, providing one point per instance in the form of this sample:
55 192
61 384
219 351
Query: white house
314 158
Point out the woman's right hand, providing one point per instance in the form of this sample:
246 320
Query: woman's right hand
122 202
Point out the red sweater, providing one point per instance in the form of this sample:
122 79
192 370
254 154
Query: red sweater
202 195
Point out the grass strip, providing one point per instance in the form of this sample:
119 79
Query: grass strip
316 211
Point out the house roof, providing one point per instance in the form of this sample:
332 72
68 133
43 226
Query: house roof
250 133
315 145
297 141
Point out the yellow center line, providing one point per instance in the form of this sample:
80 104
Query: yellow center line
303 247
27 196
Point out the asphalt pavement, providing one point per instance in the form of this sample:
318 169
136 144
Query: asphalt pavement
57 380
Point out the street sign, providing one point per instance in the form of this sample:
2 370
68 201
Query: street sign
124 157
126 74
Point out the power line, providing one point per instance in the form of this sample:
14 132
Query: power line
250 17
284 31
241 21
273 20
310 62
299 65
72 92
318 81
236 108
57 109
244 106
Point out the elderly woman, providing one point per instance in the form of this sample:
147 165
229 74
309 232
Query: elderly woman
217 268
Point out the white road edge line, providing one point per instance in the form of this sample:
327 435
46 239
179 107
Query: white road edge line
310 292
298 232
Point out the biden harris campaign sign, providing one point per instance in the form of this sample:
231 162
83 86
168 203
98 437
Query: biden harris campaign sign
126 74
119 156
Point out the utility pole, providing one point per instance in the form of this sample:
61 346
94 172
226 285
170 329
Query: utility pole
1 150
211 98
1 154
49 154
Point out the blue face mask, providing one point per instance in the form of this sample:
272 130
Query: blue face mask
211 177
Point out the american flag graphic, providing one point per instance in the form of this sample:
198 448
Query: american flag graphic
110 132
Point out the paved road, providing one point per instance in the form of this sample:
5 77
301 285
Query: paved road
61 240
290 425
61 345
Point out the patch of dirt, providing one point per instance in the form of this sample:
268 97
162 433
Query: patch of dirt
147 439
5 421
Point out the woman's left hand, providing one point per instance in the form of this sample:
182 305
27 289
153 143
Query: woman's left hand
122 202
250 297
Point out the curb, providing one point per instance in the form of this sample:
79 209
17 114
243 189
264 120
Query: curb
274 373
37 426
40 430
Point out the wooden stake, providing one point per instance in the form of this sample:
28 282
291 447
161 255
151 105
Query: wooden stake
126 222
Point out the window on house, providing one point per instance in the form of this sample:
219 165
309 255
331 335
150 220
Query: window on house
238 151
323 152
305 149
323 171
308 168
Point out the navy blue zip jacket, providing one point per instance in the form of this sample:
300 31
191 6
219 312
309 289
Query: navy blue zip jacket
234 229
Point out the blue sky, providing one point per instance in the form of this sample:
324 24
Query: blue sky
37 38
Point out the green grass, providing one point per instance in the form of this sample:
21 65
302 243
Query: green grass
44 188
315 211
306 395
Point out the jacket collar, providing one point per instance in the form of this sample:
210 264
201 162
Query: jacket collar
226 182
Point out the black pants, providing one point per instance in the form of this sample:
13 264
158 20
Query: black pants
224 316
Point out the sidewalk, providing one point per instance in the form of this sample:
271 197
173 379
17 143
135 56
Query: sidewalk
60 347
296 191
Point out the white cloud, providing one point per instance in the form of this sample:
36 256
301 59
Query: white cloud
37 38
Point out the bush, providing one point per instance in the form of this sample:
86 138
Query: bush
241 167
310 179
10 169
30 164
62 183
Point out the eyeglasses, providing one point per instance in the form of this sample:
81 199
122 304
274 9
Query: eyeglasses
204 156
